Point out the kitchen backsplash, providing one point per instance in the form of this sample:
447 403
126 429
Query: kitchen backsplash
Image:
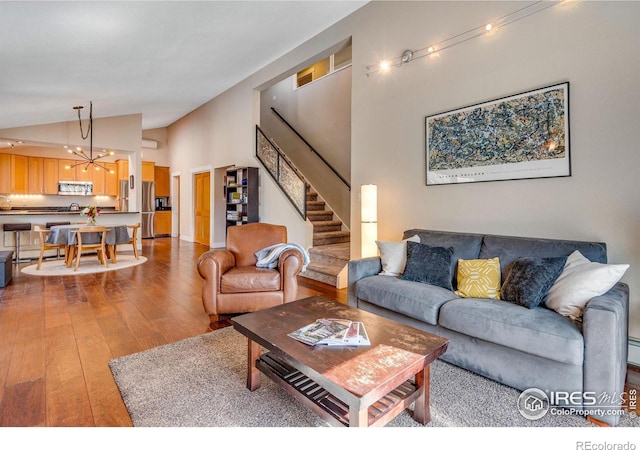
60 201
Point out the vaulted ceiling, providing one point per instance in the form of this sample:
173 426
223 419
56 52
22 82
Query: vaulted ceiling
161 59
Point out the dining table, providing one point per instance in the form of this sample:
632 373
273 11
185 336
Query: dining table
67 235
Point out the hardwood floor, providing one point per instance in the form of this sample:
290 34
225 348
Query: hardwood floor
57 335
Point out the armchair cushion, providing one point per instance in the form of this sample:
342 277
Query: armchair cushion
249 279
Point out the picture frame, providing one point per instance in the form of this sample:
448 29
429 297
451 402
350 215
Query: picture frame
521 136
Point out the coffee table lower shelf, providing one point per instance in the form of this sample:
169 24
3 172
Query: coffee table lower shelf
327 405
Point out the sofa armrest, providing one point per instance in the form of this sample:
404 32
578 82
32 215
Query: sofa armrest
211 266
290 265
605 329
359 269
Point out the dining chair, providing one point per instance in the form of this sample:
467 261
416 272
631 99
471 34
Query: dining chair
100 247
133 238
43 233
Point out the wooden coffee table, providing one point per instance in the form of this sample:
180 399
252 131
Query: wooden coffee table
349 386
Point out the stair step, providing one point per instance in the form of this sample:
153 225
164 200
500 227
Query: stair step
335 255
315 216
327 225
330 237
327 274
312 196
315 205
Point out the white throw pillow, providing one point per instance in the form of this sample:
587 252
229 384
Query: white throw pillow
579 282
393 255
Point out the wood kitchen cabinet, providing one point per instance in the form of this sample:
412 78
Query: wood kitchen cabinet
162 179
162 223
148 170
98 177
82 174
35 175
66 174
5 173
123 169
111 179
19 174
50 176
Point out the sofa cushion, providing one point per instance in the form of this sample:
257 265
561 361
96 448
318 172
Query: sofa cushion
538 331
393 255
426 264
530 279
579 282
249 279
417 300
509 248
479 278
465 245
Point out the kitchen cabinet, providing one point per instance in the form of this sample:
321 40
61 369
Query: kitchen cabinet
50 176
5 173
162 223
35 175
148 170
123 169
111 179
19 174
65 174
162 179
84 175
98 178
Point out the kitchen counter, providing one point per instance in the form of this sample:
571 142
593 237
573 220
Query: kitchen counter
29 240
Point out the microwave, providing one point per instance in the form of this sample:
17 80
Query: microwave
75 188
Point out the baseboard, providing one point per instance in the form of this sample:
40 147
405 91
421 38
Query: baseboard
634 352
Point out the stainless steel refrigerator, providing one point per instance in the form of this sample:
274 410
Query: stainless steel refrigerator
123 196
148 208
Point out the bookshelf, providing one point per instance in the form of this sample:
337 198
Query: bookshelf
241 195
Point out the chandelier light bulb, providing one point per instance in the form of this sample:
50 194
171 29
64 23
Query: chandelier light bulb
488 27
384 66
430 50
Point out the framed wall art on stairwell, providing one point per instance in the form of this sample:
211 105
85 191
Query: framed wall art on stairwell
516 137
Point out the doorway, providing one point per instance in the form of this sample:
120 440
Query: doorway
202 207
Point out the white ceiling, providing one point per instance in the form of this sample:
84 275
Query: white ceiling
162 59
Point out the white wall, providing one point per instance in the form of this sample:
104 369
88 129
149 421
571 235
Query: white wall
593 45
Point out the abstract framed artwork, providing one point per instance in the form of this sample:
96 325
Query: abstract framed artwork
517 137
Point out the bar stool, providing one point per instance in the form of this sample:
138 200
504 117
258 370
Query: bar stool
17 228
48 225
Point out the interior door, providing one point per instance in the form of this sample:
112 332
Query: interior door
202 202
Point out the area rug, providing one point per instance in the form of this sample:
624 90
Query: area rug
200 382
88 264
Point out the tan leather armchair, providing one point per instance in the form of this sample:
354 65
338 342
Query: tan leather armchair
233 283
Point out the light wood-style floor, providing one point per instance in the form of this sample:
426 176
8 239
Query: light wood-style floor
58 334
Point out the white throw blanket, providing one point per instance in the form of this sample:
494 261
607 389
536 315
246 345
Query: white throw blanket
268 257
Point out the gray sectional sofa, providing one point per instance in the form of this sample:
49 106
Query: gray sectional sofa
514 345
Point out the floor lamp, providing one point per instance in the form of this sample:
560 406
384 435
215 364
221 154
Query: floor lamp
369 219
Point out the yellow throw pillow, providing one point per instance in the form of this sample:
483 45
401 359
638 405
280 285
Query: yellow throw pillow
479 278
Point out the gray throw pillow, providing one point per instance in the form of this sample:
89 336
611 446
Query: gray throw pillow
430 265
530 279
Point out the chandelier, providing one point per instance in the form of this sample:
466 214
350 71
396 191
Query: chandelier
88 160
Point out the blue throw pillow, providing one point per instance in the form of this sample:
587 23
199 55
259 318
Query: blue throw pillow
530 279
426 264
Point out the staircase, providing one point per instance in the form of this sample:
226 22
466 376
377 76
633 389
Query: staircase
331 248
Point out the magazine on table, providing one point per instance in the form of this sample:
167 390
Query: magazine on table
332 332
356 336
